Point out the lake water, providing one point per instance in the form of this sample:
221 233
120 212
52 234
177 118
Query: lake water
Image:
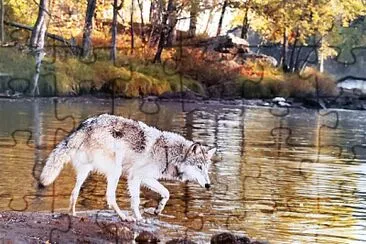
284 176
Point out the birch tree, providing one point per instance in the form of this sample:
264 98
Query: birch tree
37 41
116 8
155 12
194 11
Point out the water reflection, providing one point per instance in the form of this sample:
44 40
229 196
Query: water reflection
298 178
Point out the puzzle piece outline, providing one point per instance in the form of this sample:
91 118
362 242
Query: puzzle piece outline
222 92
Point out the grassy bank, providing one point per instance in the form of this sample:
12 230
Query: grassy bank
72 76
134 75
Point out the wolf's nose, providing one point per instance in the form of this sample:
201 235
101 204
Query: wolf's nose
207 186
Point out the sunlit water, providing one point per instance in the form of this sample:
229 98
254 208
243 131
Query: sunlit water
295 176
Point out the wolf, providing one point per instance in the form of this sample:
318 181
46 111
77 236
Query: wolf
117 146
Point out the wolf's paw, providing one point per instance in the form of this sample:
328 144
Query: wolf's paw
157 211
150 211
128 219
141 220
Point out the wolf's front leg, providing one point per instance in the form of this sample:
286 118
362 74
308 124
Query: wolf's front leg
155 185
134 189
111 196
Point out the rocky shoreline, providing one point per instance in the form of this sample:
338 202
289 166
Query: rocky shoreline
42 227
346 99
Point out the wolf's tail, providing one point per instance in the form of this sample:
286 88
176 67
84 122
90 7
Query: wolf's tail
54 164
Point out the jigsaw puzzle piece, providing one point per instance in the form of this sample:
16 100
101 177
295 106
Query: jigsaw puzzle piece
64 225
18 36
18 86
15 151
352 56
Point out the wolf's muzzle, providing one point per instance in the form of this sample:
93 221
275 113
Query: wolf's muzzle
207 186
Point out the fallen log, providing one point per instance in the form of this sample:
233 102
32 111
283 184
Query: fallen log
52 36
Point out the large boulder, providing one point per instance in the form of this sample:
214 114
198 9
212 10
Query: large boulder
228 238
242 58
228 44
231 47
224 238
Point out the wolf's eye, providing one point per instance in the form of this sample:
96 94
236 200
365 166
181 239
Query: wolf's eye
200 167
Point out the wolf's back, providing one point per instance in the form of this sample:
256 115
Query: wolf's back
55 162
62 153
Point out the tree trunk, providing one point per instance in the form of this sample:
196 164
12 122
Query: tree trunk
284 51
297 59
321 62
116 8
114 32
291 64
245 27
209 20
132 29
88 26
193 18
2 34
320 55
39 30
37 41
151 9
172 22
155 12
155 21
142 24
164 32
224 6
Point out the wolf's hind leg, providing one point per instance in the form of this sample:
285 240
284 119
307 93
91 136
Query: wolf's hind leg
82 174
112 183
134 190
155 185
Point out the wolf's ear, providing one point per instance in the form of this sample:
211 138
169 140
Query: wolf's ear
192 149
195 148
211 152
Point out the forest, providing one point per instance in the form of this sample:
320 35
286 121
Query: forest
211 48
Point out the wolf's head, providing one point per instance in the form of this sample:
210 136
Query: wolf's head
195 164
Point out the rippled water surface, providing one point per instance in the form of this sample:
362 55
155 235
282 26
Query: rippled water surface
295 176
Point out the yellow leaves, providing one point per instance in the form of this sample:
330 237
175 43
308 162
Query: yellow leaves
271 17
23 11
315 17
